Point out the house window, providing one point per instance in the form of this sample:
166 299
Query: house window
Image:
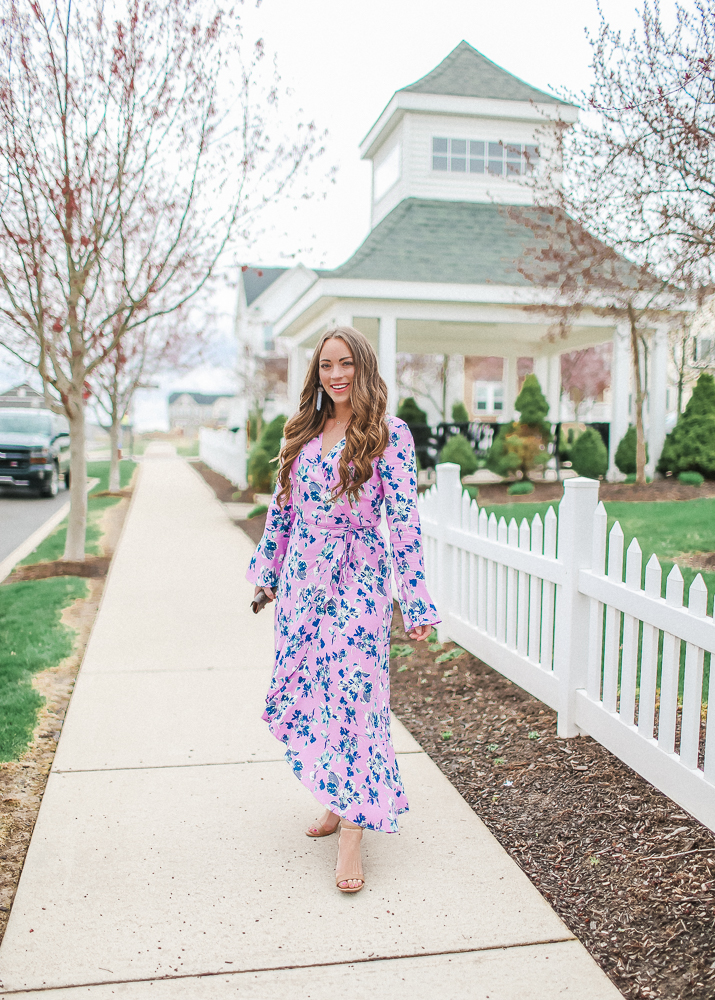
477 156
488 398
703 348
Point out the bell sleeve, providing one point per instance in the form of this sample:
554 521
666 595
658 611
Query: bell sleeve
265 566
398 471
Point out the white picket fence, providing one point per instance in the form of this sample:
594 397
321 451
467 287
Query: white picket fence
547 605
224 451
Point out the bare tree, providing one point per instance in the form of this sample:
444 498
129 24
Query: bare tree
424 376
134 146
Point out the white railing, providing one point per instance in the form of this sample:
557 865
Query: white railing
546 604
224 451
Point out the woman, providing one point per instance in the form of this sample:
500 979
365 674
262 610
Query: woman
329 698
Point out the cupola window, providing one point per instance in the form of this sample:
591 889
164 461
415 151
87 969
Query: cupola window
477 156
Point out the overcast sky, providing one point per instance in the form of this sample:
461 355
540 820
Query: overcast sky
345 59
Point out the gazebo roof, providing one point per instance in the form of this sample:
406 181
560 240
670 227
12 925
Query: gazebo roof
447 241
465 72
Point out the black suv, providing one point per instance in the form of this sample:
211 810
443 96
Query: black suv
34 449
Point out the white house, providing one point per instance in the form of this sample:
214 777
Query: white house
439 271
190 410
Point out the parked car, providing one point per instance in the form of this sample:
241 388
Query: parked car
34 449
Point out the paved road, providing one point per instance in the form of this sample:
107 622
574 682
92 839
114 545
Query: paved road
20 515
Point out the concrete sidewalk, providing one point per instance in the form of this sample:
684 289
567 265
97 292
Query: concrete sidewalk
169 859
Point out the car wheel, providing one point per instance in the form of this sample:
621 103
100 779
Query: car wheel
53 487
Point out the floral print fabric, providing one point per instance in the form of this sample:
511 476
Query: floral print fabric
329 698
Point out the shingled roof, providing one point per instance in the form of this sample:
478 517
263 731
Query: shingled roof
467 73
448 241
257 279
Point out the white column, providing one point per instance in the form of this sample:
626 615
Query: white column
620 390
340 317
510 387
297 369
541 370
657 388
553 394
387 358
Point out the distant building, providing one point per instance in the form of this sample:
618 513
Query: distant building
190 410
22 395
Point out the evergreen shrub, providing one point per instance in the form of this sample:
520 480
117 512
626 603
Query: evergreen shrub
271 436
625 457
260 470
589 456
690 446
691 479
522 444
416 420
460 451
459 413
521 488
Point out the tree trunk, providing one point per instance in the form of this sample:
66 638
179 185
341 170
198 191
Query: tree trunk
640 438
77 522
114 438
445 365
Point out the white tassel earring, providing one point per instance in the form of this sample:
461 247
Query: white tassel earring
319 401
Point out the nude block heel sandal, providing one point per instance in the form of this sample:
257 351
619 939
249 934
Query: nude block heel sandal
355 874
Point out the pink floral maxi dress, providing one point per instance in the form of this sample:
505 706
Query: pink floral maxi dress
329 698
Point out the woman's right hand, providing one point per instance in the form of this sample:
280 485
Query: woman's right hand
268 592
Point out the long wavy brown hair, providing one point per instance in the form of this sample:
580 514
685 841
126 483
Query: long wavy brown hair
367 433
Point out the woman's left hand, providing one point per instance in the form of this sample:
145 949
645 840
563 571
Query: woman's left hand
420 632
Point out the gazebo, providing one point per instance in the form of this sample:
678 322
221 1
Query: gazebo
439 272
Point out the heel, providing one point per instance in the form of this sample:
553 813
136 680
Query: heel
355 873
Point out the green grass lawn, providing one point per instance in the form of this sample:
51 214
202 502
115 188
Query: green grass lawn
665 528
53 546
32 638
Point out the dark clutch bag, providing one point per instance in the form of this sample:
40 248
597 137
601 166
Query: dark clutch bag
260 602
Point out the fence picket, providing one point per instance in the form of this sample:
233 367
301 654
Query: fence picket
522 603
502 537
473 570
463 590
492 581
511 594
549 589
693 681
649 655
670 668
613 622
629 656
595 634
709 766
537 547
482 575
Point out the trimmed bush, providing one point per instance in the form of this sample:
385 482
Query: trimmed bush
520 489
460 451
416 420
625 457
271 436
589 456
691 479
260 470
459 413
522 444
690 446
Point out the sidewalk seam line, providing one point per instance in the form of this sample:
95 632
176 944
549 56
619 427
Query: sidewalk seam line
288 968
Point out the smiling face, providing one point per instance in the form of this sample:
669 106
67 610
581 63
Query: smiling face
336 369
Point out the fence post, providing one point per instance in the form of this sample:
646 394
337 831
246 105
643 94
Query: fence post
449 498
571 640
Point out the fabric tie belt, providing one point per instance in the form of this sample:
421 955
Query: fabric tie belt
347 533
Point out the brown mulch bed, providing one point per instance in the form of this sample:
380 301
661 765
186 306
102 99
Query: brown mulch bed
226 492
92 566
629 872
545 492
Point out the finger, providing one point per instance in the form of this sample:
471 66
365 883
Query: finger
269 593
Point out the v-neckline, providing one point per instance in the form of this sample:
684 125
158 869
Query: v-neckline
320 447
